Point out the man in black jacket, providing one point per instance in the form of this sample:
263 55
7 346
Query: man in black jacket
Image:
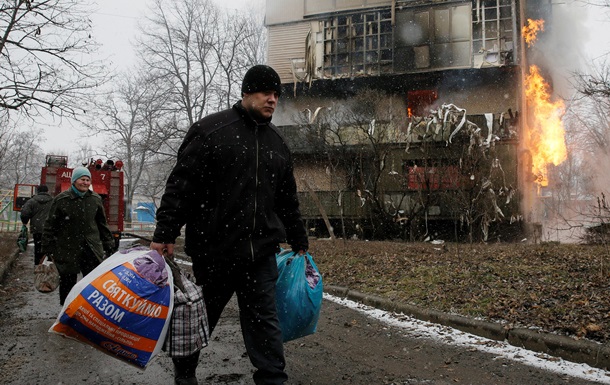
35 211
234 189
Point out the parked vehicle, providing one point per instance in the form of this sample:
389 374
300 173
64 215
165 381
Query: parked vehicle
107 180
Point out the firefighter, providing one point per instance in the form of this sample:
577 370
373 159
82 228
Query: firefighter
35 212
233 186
76 233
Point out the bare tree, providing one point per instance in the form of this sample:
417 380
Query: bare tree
176 45
201 53
82 156
355 140
595 3
242 46
44 46
408 170
588 140
7 133
579 195
190 55
21 157
154 176
595 82
134 119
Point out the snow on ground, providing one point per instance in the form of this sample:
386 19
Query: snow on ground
420 329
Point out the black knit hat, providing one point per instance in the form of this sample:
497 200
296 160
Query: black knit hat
261 78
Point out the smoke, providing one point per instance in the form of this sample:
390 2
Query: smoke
561 49
565 48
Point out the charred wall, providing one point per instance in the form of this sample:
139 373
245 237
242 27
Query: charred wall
318 58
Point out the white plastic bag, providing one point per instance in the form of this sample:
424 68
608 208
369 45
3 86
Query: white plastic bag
123 307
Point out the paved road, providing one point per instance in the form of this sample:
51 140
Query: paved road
349 348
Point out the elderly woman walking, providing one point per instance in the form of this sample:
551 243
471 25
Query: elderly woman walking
76 234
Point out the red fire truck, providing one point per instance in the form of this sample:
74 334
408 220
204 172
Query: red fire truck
106 180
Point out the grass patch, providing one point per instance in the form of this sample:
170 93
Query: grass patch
554 287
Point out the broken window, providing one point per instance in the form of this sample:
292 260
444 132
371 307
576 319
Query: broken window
493 33
428 38
358 44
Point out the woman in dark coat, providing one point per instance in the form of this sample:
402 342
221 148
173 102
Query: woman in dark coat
76 233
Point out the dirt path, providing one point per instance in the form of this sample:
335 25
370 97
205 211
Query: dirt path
349 348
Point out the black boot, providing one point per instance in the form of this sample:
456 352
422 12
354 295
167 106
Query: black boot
185 368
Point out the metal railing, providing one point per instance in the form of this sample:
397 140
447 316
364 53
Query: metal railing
130 227
10 226
9 219
139 226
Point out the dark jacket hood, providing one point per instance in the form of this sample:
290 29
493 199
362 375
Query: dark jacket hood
43 197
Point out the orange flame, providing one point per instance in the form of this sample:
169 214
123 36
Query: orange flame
546 132
530 31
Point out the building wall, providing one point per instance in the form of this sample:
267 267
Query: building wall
288 11
287 46
318 176
284 11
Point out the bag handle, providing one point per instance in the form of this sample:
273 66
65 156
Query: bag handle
176 272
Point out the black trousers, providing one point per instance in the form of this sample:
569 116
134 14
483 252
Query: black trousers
254 284
37 248
87 262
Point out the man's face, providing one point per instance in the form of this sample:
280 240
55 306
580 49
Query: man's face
260 104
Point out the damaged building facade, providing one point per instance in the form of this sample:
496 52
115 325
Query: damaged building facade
404 116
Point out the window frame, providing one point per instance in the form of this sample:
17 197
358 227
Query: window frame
366 42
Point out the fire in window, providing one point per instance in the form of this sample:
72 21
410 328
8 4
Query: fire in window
419 102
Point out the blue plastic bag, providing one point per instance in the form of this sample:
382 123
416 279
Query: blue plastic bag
299 292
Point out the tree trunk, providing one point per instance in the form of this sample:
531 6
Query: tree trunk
320 208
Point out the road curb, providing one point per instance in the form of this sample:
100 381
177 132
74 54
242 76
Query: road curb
582 351
6 263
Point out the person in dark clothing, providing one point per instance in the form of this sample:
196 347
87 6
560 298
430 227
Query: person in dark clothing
234 189
35 212
76 233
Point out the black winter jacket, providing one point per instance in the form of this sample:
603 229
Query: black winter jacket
36 209
233 186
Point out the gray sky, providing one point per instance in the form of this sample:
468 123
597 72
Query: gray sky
115 28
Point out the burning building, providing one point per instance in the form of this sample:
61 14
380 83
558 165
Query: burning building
406 116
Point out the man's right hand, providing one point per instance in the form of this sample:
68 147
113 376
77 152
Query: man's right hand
166 249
